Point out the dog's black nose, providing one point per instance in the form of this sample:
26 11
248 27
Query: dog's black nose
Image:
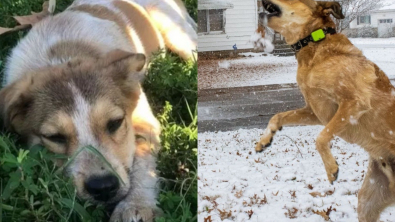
102 188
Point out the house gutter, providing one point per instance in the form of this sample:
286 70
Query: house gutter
385 10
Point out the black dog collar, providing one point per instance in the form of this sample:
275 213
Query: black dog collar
315 36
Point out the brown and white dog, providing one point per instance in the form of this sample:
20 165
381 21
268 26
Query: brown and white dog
74 81
343 91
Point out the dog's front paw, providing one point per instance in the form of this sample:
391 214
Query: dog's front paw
125 212
266 140
332 171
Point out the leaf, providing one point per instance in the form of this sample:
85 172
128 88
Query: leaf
315 194
224 214
324 213
15 29
34 17
208 219
6 207
13 183
25 212
22 154
77 207
327 193
3 144
45 184
28 21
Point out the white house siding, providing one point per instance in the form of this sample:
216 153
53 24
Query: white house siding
383 15
374 18
240 23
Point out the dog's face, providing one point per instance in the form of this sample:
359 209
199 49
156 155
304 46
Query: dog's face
86 102
296 19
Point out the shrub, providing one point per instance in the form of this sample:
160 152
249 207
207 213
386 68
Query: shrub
32 189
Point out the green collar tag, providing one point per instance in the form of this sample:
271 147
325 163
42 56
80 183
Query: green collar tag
318 35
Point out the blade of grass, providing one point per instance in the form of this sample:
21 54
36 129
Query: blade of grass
98 154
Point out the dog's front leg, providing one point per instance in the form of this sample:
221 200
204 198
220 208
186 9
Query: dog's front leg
304 116
348 112
140 203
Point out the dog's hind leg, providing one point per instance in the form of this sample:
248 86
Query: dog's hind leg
175 25
375 194
304 116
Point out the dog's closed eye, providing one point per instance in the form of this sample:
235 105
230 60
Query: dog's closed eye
113 125
56 138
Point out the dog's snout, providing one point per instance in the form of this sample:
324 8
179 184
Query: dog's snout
102 188
268 6
273 9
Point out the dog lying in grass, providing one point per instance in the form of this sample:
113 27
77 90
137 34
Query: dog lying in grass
344 91
74 81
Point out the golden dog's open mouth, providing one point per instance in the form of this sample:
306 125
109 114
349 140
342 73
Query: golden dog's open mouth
272 9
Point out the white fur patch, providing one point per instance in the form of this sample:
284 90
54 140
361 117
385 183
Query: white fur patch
81 119
353 120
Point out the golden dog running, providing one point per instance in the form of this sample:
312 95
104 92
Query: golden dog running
344 91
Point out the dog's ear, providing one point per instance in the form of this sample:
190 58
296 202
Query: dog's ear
132 62
310 3
126 69
14 104
331 8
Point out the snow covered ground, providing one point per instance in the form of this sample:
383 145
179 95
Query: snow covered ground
266 70
287 181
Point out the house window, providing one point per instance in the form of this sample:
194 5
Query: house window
385 20
211 21
364 19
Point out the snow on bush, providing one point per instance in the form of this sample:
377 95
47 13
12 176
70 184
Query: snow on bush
260 42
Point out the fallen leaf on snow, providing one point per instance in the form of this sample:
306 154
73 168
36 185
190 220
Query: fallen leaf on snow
324 213
208 219
250 212
224 215
319 194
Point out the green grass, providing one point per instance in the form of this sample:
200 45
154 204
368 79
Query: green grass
33 189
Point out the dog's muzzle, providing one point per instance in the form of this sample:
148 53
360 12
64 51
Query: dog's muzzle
272 9
102 188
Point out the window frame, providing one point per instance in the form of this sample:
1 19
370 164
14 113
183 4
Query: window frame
208 32
386 21
364 23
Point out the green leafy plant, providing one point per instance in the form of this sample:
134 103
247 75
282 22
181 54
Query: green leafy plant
177 162
32 189
174 80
